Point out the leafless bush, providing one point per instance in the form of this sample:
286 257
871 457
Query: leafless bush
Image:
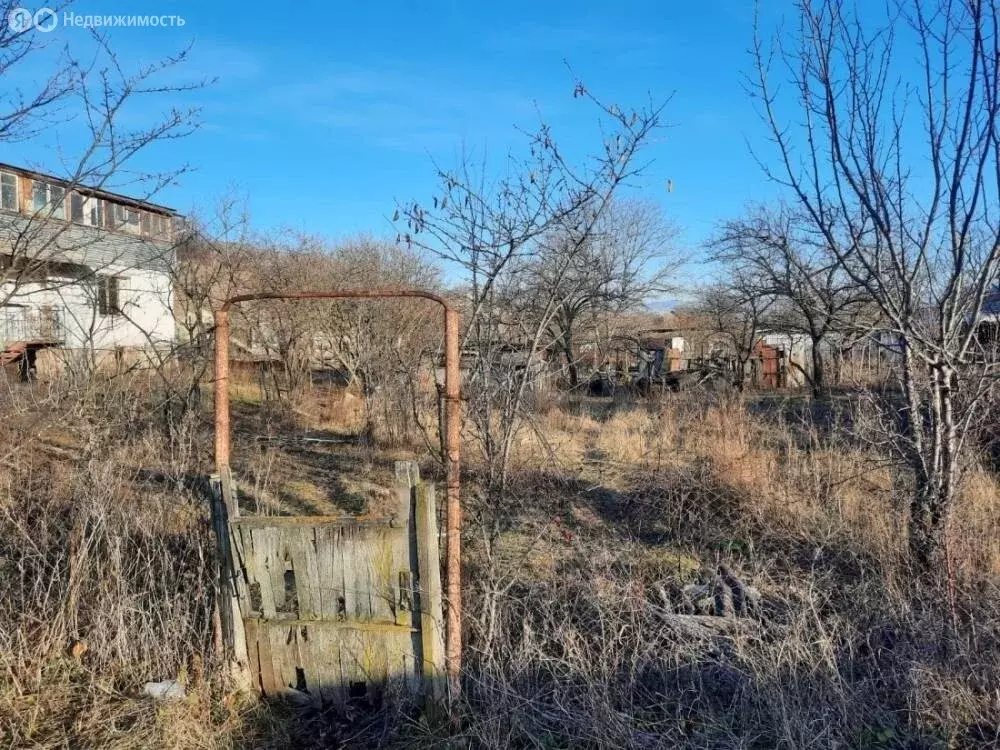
578 635
106 581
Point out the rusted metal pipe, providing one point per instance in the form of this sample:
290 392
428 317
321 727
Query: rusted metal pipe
346 294
452 426
222 447
451 429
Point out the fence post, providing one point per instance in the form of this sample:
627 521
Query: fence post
233 633
431 610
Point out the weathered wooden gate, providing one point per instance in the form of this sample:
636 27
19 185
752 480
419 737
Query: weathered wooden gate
325 608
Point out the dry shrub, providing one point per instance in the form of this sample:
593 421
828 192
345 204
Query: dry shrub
974 528
572 635
594 655
573 587
106 580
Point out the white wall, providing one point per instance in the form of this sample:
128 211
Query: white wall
141 264
144 297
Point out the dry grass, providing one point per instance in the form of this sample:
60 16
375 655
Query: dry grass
572 630
572 584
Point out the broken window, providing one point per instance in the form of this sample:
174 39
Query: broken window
107 295
76 212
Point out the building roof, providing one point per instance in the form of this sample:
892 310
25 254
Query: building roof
88 246
92 191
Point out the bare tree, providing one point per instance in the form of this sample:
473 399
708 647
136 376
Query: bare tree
24 110
498 232
379 346
736 314
897 168
213 256
384 346
628 258
814 295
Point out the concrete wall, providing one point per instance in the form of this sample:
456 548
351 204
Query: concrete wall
144 298
141 265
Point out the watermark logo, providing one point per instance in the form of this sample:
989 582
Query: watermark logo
45 19
21 20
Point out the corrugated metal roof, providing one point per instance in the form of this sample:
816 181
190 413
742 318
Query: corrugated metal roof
58 242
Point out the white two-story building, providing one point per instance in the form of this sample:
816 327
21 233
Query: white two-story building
80 269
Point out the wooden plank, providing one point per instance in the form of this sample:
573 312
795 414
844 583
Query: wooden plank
308 662
376 657
330 580
400 661
238 548
407 476
402 572
431 608
268 680
232 591
333 691
350 669
275 556
220 523
366 550
229 493
402 577
260 541
253 651
348 557
301 547
283 657
381 575
312 567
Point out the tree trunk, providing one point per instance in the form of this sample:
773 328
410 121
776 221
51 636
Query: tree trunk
934 459
571 365
927 513
741 374
368 431
818 368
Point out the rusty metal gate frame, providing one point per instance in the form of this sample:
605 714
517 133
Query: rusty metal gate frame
453 629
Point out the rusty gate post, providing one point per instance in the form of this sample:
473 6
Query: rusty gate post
453 649
221 390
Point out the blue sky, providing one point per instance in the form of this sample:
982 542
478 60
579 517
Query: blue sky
325 114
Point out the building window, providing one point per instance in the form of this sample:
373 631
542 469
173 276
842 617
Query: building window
76 212
107 295
97 215
164 225
155 225
8 191
46 197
